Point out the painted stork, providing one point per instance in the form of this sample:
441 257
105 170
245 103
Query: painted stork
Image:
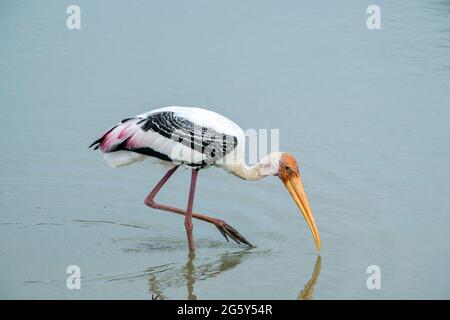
197 138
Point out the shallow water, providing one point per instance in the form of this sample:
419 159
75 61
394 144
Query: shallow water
365 112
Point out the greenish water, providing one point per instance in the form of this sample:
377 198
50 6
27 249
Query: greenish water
365 113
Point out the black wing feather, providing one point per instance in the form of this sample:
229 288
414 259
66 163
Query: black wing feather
214 145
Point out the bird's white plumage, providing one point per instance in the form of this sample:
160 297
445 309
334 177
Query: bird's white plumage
203 118
178 153
123 158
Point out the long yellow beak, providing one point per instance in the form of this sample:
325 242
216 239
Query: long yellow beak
295 188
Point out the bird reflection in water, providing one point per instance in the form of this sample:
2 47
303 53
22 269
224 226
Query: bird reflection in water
307 292
190 278
157 285
190 274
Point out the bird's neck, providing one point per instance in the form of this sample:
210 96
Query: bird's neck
246 172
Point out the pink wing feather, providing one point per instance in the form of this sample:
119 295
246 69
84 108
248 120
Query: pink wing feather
118 135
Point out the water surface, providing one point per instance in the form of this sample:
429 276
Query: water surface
365 112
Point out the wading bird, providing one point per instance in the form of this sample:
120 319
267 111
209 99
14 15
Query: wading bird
197 138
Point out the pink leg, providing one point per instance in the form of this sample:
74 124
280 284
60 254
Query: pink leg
151 196
188 220
224 228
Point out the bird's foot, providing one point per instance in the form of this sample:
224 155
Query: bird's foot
228 231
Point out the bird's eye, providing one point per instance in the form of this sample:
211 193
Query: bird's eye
287 168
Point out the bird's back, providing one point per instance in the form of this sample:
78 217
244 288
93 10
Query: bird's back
192 136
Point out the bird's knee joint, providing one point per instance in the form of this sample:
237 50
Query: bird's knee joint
150 203
188 225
